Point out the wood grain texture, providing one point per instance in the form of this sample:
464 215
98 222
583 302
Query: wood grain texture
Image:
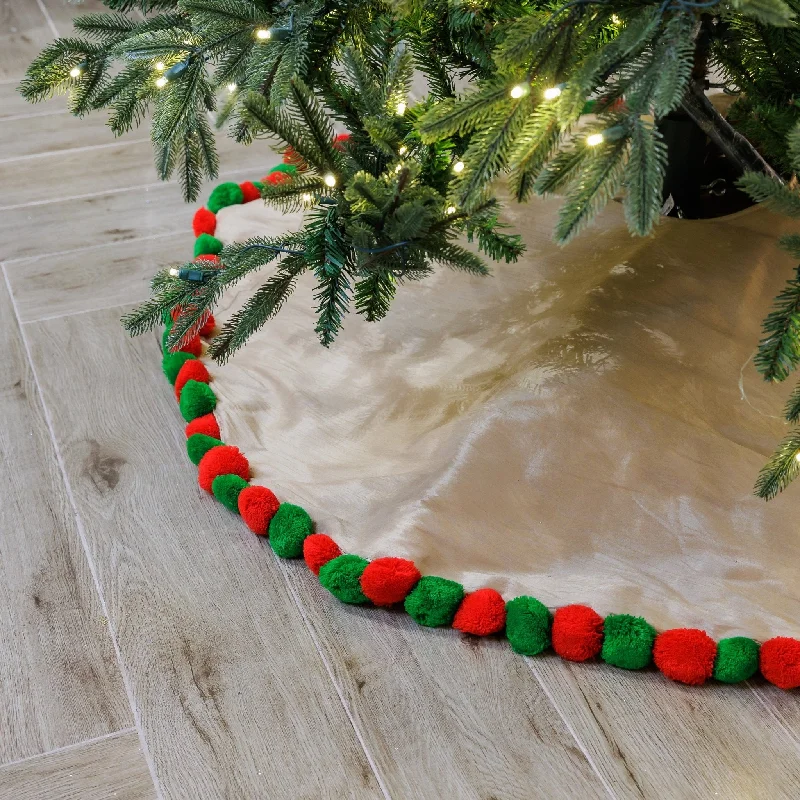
444 715
59 681
100 219
23 33
653 738
233 697
93 278
110 768
62 12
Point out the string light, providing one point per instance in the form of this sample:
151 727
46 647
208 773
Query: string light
306 198
398 168
160 66
75 72
263 34
231 87
520 90
161 82
330 180
797 456
174 271
552 93
450 210
610 135
615 19
458 166
401 109
403 150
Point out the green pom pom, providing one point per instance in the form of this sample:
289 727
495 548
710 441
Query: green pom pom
259 185
226 194
288 530
198 444
172 363
205 244
226 489
627 641
197 400
342 577
737 659
289 169
434 601
528 624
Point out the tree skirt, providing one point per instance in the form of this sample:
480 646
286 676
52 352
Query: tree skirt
583 428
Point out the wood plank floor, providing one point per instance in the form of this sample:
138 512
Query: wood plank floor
152 648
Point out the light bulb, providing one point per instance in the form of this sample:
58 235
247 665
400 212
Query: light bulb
459 166
403 150
263 34
401 109
175 272
161 82
330 180
520 90
306 198
450 210
552 92
615 19
398 168
160 66
231 87
797 456
75 72
594 140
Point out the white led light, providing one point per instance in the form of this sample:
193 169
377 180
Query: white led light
459 166
306 197
403 150
797 456
231 87
518 91
161 82
330 180
594 140
552 92
175 272
160 66
75 72
450 210
615 19
401 109
263 34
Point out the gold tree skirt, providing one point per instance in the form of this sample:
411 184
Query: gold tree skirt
585 426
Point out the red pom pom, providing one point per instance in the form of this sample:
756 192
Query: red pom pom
222 460
481 613
207 257
249 192
386 581
192 370
206 424
193 346
339 141
277 177
685 654
208 326
204 222
780 662
577 632
318 550
257 505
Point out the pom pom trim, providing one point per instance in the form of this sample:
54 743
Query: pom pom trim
576 633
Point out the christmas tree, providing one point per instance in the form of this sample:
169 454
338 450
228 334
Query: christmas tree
562 97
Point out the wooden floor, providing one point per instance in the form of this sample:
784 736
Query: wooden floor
151 647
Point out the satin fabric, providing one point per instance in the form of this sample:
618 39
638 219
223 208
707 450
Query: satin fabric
585 426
